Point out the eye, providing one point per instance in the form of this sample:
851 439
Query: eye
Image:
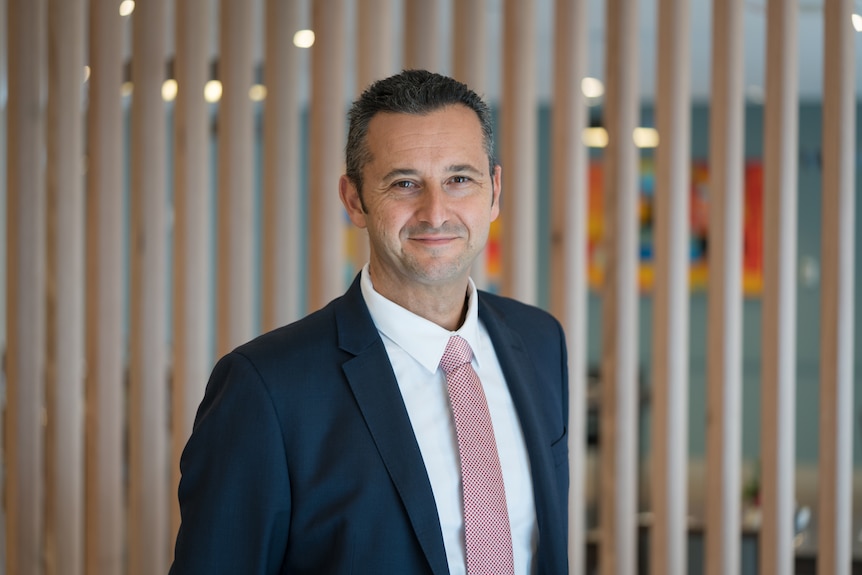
404 185
460 180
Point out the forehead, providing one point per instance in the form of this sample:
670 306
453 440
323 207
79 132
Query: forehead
451 129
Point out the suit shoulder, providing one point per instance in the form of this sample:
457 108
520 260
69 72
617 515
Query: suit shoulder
513 310
314 331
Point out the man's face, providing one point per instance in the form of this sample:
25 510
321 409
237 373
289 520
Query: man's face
429 198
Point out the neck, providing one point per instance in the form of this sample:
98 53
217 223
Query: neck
445 305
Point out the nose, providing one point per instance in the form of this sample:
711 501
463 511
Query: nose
433 208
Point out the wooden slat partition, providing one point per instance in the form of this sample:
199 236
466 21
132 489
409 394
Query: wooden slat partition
235 320
724 335
422 36
469 65
148 518
64 464
282 216
86 439
519 139
25 296
105 345
193 212
669 465
569 244
778 395
837 292
619 378
326 148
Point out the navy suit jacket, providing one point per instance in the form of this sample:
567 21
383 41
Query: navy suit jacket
303 459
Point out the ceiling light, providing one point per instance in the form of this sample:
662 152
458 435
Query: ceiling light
304 39
212 91
857 22
257 93
645 137
169 90
592 87
127 7
595 137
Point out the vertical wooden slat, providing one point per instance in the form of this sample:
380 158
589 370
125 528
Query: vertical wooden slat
669 534
778 444
282 214
148 518
837 292
192 323
469 65
569 243
375 60
470 44
25 303
326 147
4 83
105 387
724 336
422 35
619 385
65 288
518 138
376 42
235 193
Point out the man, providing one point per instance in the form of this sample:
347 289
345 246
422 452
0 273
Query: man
333 445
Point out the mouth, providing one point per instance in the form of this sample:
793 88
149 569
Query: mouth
433 240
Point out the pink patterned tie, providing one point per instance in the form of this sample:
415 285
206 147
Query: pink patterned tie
486 519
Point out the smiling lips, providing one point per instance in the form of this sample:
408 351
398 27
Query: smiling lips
434 240
434 236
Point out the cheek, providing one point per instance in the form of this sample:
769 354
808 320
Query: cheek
384 227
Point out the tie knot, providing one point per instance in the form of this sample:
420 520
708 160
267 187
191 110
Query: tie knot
458 352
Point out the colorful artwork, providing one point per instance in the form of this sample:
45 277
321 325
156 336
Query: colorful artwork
698 221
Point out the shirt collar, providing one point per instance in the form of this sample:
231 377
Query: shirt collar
423 340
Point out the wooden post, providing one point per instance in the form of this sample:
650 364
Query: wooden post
619 391
778 435
282 215
105 345
724 337
148 518
518 138
235 322
64 495
835 522
193 212
422 37
326 147
669 534
25 296
569 244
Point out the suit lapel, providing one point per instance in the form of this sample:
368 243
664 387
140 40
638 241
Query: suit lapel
375 388
520 374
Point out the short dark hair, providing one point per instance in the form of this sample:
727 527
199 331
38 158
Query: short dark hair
409 92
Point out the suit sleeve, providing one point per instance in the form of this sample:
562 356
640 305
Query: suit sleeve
234 493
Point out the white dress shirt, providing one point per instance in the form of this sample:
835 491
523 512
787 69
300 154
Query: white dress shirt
415 347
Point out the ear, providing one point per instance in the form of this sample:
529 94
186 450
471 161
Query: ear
349 195
496 179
